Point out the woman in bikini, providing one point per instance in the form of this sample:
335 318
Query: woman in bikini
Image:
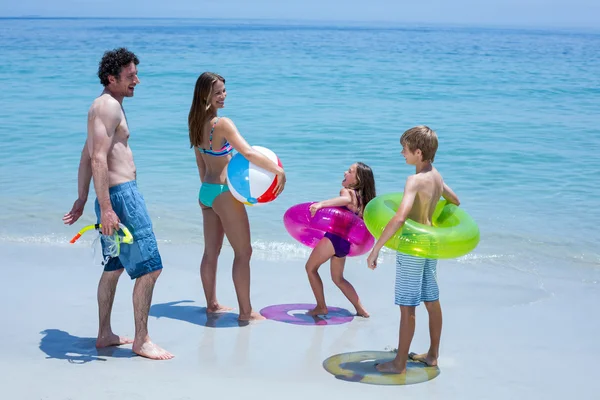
358 188
213 139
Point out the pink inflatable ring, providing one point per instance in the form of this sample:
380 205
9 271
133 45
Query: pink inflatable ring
337 220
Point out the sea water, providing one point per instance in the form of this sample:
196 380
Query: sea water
516 112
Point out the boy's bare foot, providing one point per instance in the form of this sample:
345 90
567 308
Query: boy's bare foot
318 311
253 316
424 358
217 308
390 367
111 340
152 351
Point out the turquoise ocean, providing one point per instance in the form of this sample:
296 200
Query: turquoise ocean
516 111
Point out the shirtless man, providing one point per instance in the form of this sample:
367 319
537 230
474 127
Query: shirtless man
107 157
416 277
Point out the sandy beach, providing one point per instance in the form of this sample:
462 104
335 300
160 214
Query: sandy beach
507 334
516 110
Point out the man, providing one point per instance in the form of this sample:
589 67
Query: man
107 157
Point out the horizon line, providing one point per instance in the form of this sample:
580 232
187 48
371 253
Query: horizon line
498 25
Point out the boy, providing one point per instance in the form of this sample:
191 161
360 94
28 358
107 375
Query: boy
416 277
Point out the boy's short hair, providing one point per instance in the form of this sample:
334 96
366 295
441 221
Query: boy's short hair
423 138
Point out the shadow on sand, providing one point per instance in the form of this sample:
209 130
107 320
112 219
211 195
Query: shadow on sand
78 350
196 315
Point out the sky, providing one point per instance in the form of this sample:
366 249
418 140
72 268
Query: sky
518 13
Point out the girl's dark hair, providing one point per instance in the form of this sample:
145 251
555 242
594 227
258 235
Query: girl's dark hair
365 184
113 62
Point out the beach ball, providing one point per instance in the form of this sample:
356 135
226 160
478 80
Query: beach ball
250 184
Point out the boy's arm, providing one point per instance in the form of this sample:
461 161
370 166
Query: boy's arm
397 221
342 200
450 196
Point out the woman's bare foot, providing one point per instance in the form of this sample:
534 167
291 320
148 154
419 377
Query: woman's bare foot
254 316
217 308
318 311
424 358
152 351
361 312
111 340
390 367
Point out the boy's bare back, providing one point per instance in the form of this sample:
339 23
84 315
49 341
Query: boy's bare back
429 187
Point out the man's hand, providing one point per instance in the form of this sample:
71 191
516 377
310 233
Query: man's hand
109 221
72 216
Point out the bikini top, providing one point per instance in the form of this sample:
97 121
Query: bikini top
226 149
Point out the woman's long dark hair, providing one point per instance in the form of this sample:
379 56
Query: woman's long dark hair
199 111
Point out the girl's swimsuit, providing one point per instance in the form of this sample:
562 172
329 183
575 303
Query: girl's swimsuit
340 245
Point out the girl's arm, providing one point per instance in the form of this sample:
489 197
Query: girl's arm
344 199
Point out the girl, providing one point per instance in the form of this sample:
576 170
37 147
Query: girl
358 188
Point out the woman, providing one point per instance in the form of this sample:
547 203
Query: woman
213 139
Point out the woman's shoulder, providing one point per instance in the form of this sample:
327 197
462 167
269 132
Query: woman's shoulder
221 120
223 123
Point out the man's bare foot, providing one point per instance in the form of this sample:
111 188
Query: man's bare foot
318 311
152 351
424 358
254 316
390 367
217 308
361 312
111 340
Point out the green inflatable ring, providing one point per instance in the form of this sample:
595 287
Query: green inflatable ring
453 234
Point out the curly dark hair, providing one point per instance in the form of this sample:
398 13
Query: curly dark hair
113 62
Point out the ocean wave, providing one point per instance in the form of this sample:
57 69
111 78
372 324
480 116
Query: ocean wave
35 239
478 257
488 253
